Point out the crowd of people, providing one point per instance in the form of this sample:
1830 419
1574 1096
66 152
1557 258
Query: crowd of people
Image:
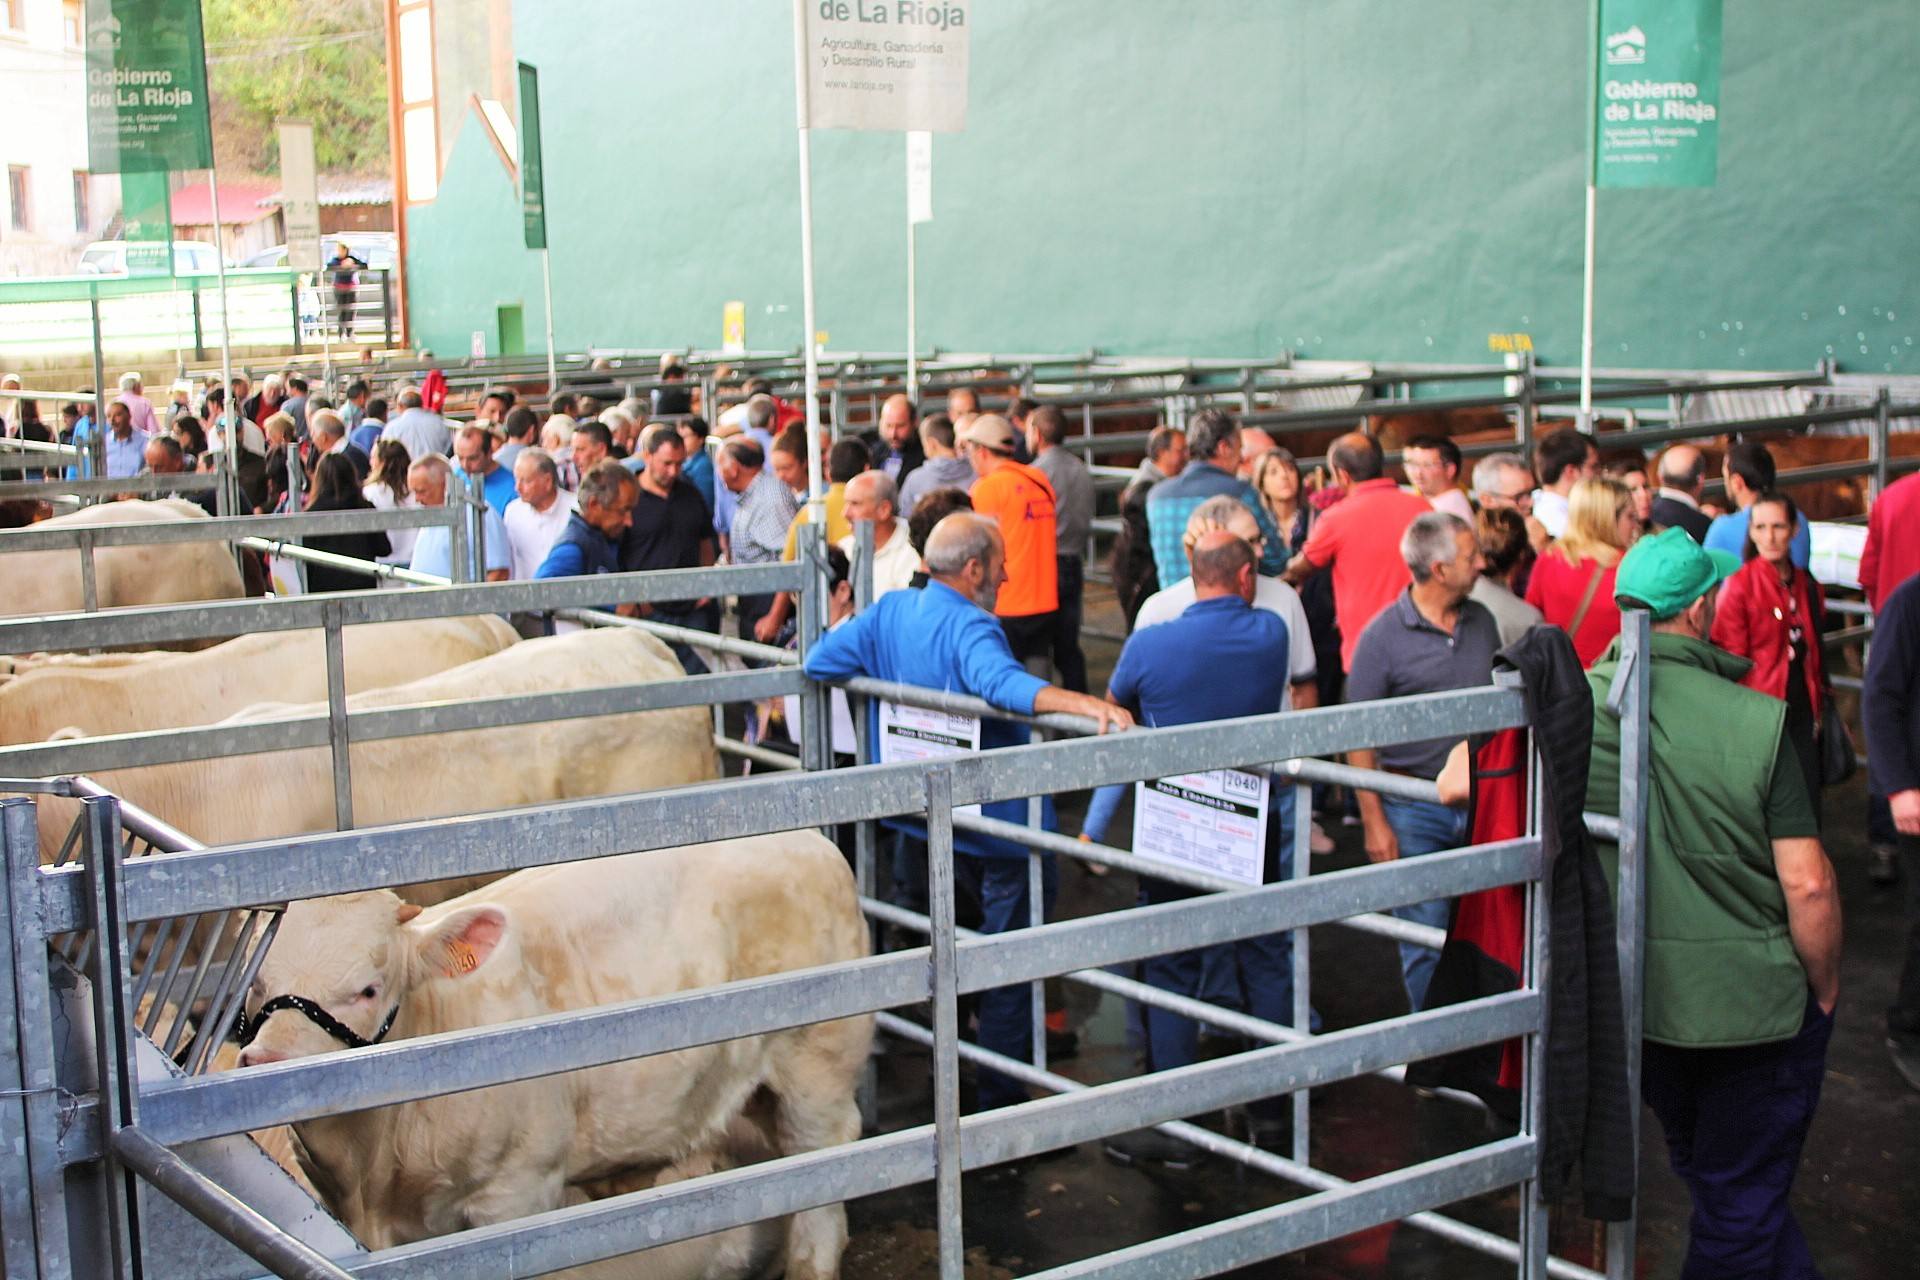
1246 588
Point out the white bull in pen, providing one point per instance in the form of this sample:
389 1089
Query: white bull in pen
130 692
344 970
287 793
37 582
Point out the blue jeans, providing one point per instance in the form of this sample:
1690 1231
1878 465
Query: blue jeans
1004 1014
1423 826
1254 975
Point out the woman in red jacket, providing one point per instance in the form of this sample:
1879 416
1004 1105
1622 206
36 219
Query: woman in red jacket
1572 581
1770 613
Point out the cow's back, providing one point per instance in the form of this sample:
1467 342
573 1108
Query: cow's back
168 573
170 690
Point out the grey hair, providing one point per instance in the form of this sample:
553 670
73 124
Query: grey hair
1222 509
604 484
958 539
130 381
1431 538
1486 472
1207 430
434 465
326 422
884 489
542 461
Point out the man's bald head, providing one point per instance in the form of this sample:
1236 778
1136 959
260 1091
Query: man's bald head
1223 564
897 420
965 552
1357 457
1684 468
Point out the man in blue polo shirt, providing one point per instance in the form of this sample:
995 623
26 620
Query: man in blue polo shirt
1170 674
944 636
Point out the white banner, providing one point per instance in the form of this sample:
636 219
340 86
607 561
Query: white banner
300 195
914 733
919 176
1215 822
886 65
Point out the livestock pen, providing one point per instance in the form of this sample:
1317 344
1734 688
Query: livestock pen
117 1121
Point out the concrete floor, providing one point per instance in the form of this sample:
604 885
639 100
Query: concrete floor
1858 1195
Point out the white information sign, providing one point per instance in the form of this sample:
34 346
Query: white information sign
1214 822
919 176
915 733
299 195
887 65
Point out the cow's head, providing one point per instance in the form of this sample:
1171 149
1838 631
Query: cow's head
341 968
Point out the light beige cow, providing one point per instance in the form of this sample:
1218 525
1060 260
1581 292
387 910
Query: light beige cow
37 582
562 938
130 692
470 771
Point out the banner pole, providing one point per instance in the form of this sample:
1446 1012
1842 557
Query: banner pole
816 493
230 414
913 332
1585 422
546 288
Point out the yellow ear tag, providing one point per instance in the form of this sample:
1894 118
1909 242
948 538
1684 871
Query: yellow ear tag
460 959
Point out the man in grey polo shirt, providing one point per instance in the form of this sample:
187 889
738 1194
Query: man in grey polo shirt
1430 639
1073 508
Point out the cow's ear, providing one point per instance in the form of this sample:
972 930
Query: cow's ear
463 941
405 912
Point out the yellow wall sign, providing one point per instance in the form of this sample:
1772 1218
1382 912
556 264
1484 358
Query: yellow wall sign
1509 342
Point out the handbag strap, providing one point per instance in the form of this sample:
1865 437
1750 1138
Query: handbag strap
1586 600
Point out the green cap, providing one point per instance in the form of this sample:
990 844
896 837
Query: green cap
1667 571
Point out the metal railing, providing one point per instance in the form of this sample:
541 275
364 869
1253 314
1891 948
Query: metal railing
127 1123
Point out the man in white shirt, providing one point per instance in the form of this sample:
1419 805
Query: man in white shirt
1433 468
1561 460
1229 513
423 432
535 518
428 480
872 495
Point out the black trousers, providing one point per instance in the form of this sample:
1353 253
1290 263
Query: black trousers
1903 1015
1067 658
1031 637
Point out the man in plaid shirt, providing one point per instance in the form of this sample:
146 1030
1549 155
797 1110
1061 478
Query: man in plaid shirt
764 508
1213 439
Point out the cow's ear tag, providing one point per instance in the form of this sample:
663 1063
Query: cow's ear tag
460 958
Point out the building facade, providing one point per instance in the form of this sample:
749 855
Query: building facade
51 206
1374 179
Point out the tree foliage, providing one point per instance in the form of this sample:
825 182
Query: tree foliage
321 60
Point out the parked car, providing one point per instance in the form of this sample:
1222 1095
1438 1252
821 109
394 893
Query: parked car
109 258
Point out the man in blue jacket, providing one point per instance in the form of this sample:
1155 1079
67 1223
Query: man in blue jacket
944 637
590 543
1892 704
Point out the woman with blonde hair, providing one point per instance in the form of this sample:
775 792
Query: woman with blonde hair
1572 584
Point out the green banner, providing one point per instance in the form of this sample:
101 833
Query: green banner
146 211
533 189
1657 80
146 87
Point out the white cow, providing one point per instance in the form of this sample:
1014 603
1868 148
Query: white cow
403 779
39 582
129 692
562 938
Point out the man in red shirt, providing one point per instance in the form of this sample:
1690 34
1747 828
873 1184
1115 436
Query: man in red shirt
1021 501
1360 539
1892 553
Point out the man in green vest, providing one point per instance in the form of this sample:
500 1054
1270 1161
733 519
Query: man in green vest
1743 921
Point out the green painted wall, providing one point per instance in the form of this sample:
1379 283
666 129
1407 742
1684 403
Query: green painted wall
1369 179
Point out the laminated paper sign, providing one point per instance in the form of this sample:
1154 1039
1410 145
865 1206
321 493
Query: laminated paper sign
1213 822
1657 120
300 195
915 733
887 65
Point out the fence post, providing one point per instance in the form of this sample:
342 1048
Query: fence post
1630 925
293 298
1037 910
386 304
1880 443
113 1035
26 939
89 584
199 332
1302 837
816 730
946 1030
477 501
338 741
1529 416
1538 978
455 504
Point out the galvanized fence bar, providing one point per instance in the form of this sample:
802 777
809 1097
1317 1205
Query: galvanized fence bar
214 528
217 619
946 1023
1631 698
109 486
17 1228
338 725
118 1091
